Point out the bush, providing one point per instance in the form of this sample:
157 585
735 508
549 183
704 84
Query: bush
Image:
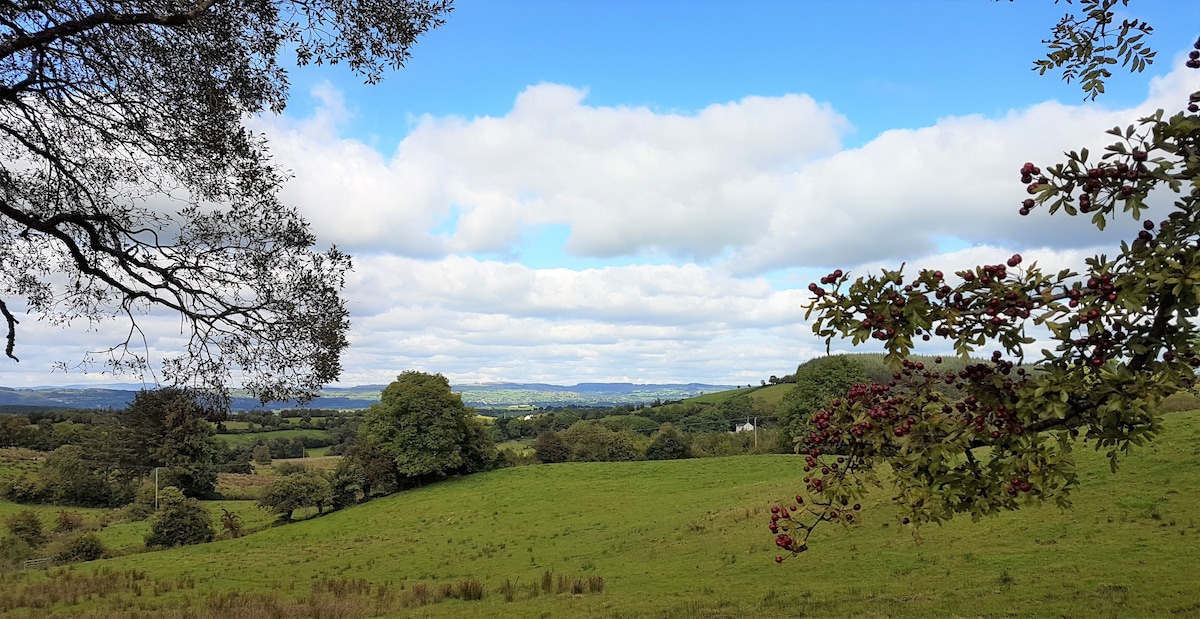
24 489
27 526
346 487
262 455
1180 401
290 468
591 442
68 521
179 521
669 444
549 448
142 506
85 547
14 550
510 457
69 478
231 523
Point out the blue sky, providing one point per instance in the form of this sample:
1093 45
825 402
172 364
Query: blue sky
586 190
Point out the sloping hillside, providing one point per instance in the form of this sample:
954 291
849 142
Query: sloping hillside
687 539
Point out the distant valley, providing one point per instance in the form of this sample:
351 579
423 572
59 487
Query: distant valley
484 396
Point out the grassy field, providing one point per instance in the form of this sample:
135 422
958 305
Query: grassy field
772 394
237 440
521 447
126 537
673 539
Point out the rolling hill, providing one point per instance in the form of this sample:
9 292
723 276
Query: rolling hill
682 538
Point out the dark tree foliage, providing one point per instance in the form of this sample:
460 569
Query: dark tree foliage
426 430
26 525
70 477
1123 331
128 182
550 448
818 382
167 428
669 444
179 521
291 492
589 441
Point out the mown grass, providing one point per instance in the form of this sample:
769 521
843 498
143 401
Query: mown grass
688 539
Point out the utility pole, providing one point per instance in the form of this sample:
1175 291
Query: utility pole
156 488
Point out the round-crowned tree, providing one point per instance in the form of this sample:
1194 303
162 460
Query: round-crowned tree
426 430
291 492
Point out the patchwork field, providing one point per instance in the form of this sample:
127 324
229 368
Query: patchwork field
671 539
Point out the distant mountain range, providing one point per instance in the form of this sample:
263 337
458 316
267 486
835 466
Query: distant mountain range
488 395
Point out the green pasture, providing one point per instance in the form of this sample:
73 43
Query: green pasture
688 538
237 440
772 394
121 537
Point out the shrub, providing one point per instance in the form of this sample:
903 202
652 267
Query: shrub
549 448
68 521
179 521
469 589
262 455
27 526
231 523
85 547
14 550
290 468
591 442
24 489
669 444
345 488
1180 401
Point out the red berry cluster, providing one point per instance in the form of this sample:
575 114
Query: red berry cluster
1193 62
1027 172
994 397
786 520
1092 302
832 278
1146 236
1111 179
1018 484
781 526
824 431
